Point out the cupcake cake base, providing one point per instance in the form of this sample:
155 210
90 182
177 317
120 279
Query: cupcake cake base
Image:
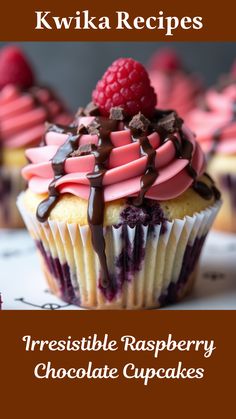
149 265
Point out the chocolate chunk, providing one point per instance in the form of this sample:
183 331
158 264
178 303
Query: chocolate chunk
139 124
93 127
92 110
117 114
83 150
50 127
170 123
61 129
82 130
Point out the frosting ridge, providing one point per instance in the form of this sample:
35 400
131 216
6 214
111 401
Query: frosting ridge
125 165
23 114
215 122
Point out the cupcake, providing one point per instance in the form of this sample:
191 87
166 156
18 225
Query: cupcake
119 204
175 87
215 126
24 109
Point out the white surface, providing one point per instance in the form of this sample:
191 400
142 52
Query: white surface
23 288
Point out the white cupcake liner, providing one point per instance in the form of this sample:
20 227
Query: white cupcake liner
138 285
11 184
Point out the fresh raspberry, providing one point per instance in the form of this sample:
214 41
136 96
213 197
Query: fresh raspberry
125 84
14 68
165 60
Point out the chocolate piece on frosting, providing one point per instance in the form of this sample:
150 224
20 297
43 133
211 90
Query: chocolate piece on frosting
170 123
93 127
117 113
83 150
139 124
92 110
60 129
82 130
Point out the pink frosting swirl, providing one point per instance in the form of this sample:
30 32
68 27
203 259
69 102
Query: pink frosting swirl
23 114
215 124
125 166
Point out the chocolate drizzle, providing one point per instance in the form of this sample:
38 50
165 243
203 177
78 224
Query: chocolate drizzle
151 172
184 150
140 127
169 127
96 204
58 163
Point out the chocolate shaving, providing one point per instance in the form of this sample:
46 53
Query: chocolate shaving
139 124
93 127
82 130
92 110
83 150
60 129
117 114
170 123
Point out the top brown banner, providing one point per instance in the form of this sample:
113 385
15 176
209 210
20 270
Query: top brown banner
117 21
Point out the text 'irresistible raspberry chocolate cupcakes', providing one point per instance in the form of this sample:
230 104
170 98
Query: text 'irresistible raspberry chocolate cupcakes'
215 125
24 109
176 88
119 204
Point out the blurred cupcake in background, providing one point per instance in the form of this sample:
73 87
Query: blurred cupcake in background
214 123
25 106
176 88
119 205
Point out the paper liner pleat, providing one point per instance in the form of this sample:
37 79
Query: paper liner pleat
163 255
